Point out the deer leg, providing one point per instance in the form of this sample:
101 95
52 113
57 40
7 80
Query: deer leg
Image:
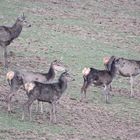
30 111
5 58
37 106
54 112
110 87
8 99
84 89
1 53
106 93
9 102
103 93
51 113
132 82
41 107
28 105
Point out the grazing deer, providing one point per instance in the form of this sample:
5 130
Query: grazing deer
8 34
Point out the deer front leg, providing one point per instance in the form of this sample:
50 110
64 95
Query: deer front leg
106 93
132 83
41 107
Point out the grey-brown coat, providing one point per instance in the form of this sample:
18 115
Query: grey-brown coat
102 78
47 93
8 34
126 68
16 79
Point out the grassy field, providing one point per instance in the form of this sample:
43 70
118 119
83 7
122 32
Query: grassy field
79 33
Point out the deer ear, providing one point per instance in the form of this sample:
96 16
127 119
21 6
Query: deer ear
23 16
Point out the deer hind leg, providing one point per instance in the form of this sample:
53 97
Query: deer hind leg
132 84
110 87
13 92
51 113
84 89
1 55
41 106
28 105
37 106
5 58
8 99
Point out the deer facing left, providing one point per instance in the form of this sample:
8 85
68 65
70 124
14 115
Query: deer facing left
8 34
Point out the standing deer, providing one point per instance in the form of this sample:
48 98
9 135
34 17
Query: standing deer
50 93
125 67
8 34
16 79
101 78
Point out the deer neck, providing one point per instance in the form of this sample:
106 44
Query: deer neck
63 84
138 62
113 70
51 73
16 30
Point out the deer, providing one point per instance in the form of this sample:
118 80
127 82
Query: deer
8 34
50 92
126 68
99 78
16 79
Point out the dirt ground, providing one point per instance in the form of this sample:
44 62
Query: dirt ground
85 119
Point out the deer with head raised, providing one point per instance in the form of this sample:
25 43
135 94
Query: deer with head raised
8 34
126 68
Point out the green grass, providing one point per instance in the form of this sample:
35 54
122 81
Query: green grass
11 122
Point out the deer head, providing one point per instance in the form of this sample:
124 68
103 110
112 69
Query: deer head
22 21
